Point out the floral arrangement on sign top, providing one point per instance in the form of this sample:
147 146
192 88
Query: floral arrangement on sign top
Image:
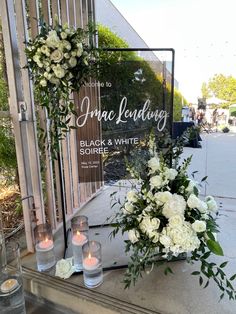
60 59
164 217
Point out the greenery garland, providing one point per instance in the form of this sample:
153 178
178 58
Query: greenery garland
60 60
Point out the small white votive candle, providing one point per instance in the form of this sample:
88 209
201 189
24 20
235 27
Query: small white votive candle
45 245
90 263
9 285
79 239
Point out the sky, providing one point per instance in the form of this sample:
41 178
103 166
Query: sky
202 32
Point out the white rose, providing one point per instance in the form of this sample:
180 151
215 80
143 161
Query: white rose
43 82
211 204
154 164
170 174
202 207
52 40
63 35
162 197
36 58
176 205
156 182
154 235
193 201
148 224
199 226
45 50
132 196
133 235
128 209
176 220
59 71
56 56
73 53
64 268
72 62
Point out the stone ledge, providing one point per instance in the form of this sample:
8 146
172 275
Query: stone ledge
76 298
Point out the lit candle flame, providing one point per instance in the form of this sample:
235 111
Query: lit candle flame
89 256
78 233
46 240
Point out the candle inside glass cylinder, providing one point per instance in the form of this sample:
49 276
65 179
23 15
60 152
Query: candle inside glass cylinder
79 239
90 262
46 244
9 285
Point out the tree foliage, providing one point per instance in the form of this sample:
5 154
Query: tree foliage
179 101
3 83
146 84
8 164
223 87
205 90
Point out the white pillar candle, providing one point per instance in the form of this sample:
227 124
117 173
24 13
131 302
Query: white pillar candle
9 285
79 239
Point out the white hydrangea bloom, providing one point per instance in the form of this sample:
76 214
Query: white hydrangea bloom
179 239
162 197
176 205
176 220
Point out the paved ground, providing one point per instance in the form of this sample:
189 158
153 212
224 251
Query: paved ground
178 293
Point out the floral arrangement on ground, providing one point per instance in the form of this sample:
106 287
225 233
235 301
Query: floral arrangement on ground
165 217
60 59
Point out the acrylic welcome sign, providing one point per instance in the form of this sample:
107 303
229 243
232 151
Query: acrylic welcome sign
131 95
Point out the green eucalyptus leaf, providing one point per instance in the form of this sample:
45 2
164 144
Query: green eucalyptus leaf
215 247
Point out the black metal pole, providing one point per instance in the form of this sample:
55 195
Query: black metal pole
172 100
172 91
62 202
164 86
